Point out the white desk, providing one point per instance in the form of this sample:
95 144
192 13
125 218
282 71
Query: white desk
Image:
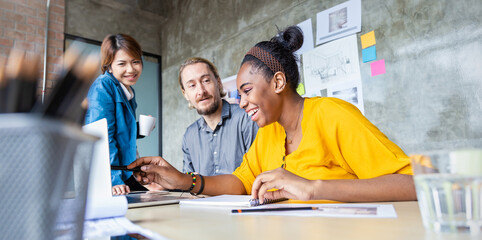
177 222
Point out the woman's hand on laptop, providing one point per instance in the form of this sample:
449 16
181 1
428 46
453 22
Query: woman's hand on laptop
158 170
120 190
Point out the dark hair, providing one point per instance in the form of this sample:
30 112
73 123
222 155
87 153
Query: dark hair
282 48
211 66
113 43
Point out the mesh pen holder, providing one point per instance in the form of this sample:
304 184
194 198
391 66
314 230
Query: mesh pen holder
43 177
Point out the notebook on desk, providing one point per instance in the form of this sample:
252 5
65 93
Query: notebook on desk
228 201
100 185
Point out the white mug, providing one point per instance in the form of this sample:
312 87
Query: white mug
146 124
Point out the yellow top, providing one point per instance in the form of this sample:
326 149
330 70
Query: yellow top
338 143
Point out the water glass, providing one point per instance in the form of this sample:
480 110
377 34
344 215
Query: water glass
448 184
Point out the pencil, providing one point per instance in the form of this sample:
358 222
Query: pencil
84 106
55 101
85 72
66 99
3 87
12 73
28 84
248 210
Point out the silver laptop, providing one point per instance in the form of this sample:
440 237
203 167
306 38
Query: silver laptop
153 198
100 185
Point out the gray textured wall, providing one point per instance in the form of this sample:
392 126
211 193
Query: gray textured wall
430 97
94 19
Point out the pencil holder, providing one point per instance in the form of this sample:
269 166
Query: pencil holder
44 174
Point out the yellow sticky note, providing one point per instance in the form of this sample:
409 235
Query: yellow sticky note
368 39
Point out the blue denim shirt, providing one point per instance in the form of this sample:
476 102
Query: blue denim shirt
220 151
107 100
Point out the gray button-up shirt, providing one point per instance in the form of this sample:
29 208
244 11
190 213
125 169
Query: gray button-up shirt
220 151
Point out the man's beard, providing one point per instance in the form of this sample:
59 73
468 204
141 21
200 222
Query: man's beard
211 108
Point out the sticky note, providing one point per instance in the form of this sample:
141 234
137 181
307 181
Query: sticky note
369 54
368 39
300 89
378 67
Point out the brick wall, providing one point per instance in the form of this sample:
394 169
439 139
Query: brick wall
22 26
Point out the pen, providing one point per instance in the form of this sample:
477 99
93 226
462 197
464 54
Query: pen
28 84
273 209
13 71
124 168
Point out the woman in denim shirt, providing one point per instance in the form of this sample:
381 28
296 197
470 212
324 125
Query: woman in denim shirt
111 96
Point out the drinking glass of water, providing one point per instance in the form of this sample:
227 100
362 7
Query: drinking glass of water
449 189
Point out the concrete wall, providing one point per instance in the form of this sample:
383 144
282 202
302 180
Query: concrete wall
94 19
430 97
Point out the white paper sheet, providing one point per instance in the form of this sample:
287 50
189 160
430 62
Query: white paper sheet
226 200
331 64
219 201
338 21
119 226
307 29
330 210
350 91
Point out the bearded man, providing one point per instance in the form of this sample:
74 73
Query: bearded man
216 142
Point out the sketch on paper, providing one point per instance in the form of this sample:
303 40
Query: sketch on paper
333 70
330 64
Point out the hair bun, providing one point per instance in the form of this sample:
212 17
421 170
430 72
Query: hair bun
291 38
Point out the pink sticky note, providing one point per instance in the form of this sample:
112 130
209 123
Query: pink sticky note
378 67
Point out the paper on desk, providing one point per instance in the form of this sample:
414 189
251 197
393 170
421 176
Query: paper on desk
331 210
219 201
119 226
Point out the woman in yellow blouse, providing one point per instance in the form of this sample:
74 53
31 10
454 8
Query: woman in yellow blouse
306 148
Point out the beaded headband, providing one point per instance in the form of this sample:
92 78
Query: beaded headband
266 58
